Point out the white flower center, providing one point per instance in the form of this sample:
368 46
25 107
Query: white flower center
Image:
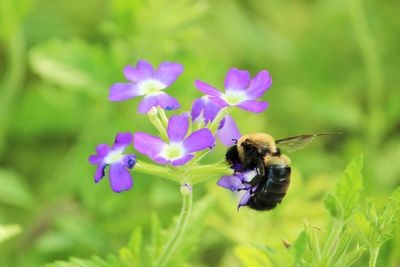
151 86
173 151
234 97
113 156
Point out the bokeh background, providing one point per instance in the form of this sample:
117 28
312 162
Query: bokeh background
334 66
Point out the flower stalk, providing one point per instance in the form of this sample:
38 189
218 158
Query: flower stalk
374 252
175 238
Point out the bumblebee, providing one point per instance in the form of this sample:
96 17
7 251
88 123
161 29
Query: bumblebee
260 152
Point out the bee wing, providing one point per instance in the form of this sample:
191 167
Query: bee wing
293 143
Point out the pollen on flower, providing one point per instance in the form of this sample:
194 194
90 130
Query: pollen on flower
234 97
151 86
114 156
173 151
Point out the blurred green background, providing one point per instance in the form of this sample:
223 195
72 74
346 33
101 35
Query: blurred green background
334 66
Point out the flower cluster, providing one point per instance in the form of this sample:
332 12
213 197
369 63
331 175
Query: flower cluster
185 137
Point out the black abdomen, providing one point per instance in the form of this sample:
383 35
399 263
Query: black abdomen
272 188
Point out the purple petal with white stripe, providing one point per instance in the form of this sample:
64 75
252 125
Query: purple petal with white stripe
259 84
122 140
253 105
177 127
148 145
102 150
168 72
207 89
199 140
236 80
203 106
147 103
182 160
123 91
166 101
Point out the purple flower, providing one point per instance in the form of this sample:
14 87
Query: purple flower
240 90
120 178
150 83
204 110
240 181
228 132
179 149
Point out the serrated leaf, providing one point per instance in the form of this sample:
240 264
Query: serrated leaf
332 205
131 254
342 203
156 238
300 246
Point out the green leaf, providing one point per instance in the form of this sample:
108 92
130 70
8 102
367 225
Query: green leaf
14 191
333 205
156 239
71 64
300 246
8 231
131 255
343 202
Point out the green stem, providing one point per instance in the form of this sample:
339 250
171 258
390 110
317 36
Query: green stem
153 169
373 256
13 79
154 117
221 114
163 116
180 228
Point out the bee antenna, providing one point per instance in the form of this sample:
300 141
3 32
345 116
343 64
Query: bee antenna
234 140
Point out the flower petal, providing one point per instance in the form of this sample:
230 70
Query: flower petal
99 172
147 103
247 176
259 84
131 73
199 140
207 89
182 160
145 70
102 150
166 101
148 145
168 72
229 133
122 140
197 107
231 182
253 105
129 160
177 127
120 178
236 80
245 199
210 111
123 91
161 160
